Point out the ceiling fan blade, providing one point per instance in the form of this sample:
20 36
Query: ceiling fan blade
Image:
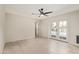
35 13
39 10
48 12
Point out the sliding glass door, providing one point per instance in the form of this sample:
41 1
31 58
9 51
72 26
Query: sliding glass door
53 29
59 30
63 29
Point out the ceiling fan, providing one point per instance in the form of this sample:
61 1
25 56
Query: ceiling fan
43 13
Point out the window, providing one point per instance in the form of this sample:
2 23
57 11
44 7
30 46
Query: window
63 29
53 29
59 29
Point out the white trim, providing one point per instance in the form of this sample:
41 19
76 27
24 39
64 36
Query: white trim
20 39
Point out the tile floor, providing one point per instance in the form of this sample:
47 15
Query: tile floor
39 46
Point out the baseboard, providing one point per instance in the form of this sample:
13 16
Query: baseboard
2 48
20 39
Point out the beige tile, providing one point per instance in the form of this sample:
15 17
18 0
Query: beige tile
39 46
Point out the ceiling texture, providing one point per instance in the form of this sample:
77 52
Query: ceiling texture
28 9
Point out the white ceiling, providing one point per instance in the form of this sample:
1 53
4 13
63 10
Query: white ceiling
28 9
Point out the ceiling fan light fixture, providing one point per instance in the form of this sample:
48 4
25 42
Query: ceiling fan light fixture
42 15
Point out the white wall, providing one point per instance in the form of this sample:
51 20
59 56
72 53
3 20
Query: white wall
73 25
1 28
19 27
43 28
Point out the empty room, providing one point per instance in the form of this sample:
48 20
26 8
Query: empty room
39 28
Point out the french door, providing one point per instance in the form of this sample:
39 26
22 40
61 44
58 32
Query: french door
59 30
